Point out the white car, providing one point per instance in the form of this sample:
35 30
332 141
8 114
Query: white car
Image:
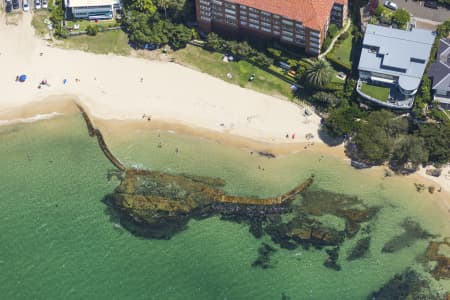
44 4
25 5
37 4
390 5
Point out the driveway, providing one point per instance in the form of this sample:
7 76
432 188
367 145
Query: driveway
417 9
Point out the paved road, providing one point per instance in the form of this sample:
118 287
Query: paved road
417 9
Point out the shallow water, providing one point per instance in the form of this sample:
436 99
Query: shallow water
57 241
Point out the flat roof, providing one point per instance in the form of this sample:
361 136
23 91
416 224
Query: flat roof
402 53
81 3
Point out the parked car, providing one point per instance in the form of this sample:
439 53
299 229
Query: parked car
44 4
431 4
390 5
25 5
37 4
15 4
8 7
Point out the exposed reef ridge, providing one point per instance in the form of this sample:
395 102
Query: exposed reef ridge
158 205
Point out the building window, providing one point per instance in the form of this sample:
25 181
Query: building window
299 41
276 27
243 23
253 15
230 11
229 20
205 18
287 28
265 24
266 19
264 13
266 29
252 9
286 33
217 2
275 16
253 21
283 38
287 22
254 26
314 34
276 33
228 5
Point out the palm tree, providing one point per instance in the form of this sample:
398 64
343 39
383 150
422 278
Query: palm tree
319 74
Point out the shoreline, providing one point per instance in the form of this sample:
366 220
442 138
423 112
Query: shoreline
109 127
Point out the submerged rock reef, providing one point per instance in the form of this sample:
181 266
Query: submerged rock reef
158 205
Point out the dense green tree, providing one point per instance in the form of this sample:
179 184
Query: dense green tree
179 36
437 141
409 149
401 17
261 59
343 120
325 99
319 74
145 6
163 4
214 42
376 136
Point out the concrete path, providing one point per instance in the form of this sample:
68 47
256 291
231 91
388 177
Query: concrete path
346 27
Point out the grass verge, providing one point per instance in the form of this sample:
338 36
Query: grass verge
341 54
114 41
211 63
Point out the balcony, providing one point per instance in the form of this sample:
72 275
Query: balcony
384 94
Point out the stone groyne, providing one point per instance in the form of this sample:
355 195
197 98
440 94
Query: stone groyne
101 141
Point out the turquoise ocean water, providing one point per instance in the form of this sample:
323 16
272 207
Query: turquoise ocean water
58 242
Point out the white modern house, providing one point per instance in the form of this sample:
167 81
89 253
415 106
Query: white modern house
89 9
391 65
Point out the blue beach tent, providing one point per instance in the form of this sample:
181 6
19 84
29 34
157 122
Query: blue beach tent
22 78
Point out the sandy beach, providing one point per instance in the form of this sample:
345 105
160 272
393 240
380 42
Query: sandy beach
124 93
115 87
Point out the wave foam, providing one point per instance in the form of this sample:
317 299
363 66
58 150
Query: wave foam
32 119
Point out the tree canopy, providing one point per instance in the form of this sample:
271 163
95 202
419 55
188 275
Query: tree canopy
401 17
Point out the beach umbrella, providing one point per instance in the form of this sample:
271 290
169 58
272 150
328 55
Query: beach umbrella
22 78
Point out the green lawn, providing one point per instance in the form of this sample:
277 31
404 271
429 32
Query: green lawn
377 92
115 41
211 63
38 22
341 54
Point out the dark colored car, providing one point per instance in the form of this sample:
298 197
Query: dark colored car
8 7
15 4
431 4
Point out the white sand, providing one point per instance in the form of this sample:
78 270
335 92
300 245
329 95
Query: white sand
110 88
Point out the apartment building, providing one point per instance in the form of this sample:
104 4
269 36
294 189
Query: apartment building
302 23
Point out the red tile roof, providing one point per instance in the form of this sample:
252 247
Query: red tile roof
312 13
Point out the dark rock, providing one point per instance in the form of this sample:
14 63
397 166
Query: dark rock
412 232
434 172
265 252
333 256
442 268
361 248
408 285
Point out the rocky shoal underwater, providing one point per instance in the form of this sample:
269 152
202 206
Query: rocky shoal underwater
159 205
